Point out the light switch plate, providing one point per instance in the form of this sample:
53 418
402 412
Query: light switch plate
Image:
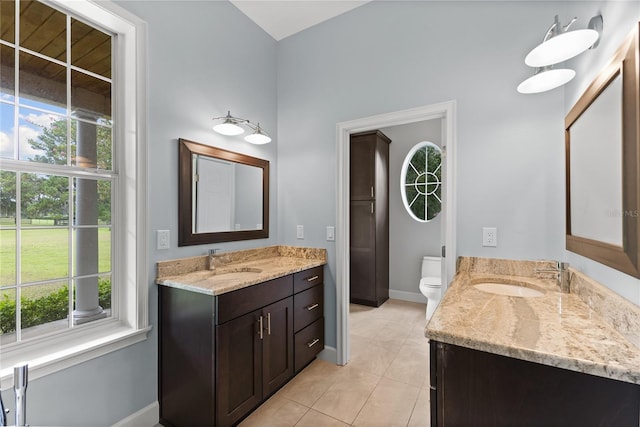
300 231
163 239
331 233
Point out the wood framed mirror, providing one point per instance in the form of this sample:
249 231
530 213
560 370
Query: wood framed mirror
223 196
602 143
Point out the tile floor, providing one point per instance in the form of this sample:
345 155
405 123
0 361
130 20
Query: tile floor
385 384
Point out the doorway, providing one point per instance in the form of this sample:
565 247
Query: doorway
444 111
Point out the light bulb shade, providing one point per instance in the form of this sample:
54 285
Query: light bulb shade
546 80
561 47
258 137
228 128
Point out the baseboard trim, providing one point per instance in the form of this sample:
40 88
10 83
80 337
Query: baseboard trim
148 416
407 296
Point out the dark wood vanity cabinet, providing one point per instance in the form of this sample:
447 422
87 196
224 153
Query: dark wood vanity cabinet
475 388
369 218
220 357
254 358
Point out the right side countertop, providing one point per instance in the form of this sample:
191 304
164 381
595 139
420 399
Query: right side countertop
590 330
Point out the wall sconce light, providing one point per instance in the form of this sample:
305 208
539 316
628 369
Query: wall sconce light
546 78
559 44
233 126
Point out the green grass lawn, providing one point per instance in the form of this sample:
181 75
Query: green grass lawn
45 254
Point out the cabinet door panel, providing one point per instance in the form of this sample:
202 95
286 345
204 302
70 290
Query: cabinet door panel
362 167
238 370
362 252
277 352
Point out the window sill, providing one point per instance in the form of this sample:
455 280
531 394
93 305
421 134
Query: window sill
55 353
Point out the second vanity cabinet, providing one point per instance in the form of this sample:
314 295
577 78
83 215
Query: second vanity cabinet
221 356
475 388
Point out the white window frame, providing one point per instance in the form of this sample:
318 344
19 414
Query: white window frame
129 322
403 177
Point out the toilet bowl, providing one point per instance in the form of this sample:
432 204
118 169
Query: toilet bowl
431 283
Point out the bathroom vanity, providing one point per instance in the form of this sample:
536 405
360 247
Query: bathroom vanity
552 359
230 337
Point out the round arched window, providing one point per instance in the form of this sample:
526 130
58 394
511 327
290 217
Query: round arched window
420 181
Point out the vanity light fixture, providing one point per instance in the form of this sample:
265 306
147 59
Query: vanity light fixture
546 78
560 44
233 126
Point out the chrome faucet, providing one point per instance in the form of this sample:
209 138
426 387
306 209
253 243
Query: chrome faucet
20 381
213 253
563 275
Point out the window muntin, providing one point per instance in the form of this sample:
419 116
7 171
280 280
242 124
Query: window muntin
58 178
421 181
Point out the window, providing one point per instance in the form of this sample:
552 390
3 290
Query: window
68 92
421 181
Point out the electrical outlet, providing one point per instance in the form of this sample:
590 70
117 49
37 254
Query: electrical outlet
331 233
300 231
163 239
489 236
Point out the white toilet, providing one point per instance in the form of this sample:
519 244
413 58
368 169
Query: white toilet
431 282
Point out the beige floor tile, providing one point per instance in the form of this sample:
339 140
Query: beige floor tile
390 405
370 357
314 380
410 366
344 399
420 417
276 412
317 419
368 328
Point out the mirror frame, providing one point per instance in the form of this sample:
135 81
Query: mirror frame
186 236
625 258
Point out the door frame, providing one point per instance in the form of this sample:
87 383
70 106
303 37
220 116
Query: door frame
446 111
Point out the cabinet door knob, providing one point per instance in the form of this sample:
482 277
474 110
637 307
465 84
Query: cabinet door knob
311 279
314 342
260 327
312 306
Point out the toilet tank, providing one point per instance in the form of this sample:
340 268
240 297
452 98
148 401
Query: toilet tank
431 266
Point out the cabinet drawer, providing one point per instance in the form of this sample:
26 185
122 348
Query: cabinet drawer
308 343
307 307
243 301
307 279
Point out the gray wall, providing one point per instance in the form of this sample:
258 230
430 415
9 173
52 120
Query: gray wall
390 56
619 19
204 58
409 240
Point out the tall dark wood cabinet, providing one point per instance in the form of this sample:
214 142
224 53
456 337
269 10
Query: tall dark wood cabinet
369 218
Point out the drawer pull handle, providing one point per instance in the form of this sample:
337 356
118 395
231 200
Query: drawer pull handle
260 327
312 306
314 342
311 279
268 323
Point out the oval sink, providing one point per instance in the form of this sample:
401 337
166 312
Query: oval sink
508 289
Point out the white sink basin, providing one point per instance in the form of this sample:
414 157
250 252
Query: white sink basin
508 289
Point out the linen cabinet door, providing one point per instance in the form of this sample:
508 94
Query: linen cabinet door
238 367
363 253
277 347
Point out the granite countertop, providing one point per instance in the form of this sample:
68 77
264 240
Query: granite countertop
237 270
590 330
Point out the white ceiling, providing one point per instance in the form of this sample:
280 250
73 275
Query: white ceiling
282 18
